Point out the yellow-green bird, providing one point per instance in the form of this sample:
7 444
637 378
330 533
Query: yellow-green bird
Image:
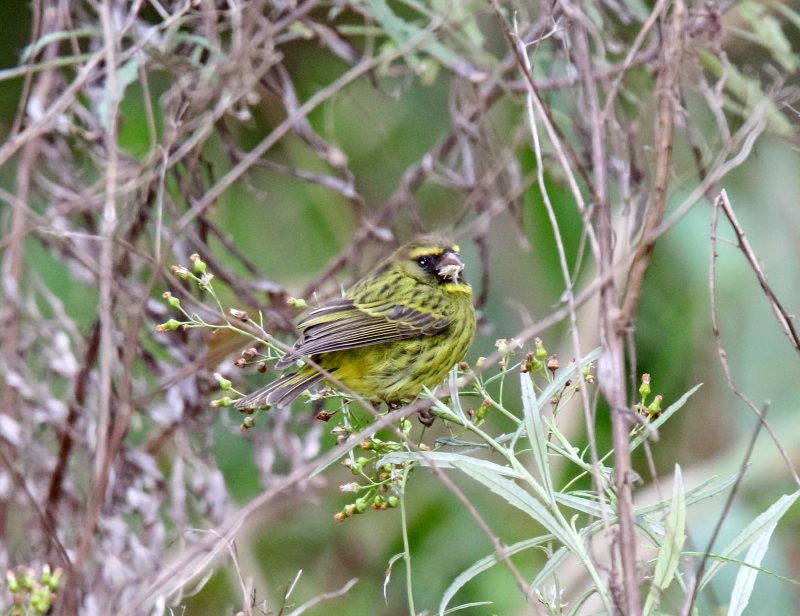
400 328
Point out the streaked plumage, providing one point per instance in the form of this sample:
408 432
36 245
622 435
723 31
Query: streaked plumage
402 327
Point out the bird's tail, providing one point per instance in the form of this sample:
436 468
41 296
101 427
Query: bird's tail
280 392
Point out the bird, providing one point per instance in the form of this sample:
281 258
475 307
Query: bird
400 328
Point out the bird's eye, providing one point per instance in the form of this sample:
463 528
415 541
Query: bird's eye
423 262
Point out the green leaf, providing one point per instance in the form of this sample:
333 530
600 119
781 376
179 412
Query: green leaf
585 505
768 33
670 551
522 500
465 606
550 567
455 399
671 410
444 459
792 16
43 41
748 92
561 555
566 373
484 564
746 577
751 533
536 433
707 489
402 31
576 605
493 476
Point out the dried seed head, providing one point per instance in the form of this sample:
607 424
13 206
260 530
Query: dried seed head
506 346
181 272
239 314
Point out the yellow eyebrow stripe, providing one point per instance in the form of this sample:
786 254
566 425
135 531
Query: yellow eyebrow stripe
425 251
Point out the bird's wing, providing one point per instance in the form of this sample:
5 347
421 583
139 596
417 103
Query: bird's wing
347 324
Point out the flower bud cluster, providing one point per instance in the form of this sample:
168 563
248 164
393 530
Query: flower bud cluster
384 481
653 409
32 593
534 360
544 365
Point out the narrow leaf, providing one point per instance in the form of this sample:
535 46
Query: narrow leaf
565 374
707 489
664 417
443 459
484 564
750 534
465 606
746 577
536 433
585 505
670 551
768 33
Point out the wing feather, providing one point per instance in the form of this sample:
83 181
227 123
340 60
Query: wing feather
347 324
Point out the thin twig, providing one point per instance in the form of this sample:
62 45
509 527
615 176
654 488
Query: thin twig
722 353
784 319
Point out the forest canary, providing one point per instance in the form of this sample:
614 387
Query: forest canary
400 328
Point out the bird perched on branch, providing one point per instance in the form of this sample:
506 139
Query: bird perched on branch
400 328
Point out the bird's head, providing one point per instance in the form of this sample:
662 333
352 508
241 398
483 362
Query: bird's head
431 259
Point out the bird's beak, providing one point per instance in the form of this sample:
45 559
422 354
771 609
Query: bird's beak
449 267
